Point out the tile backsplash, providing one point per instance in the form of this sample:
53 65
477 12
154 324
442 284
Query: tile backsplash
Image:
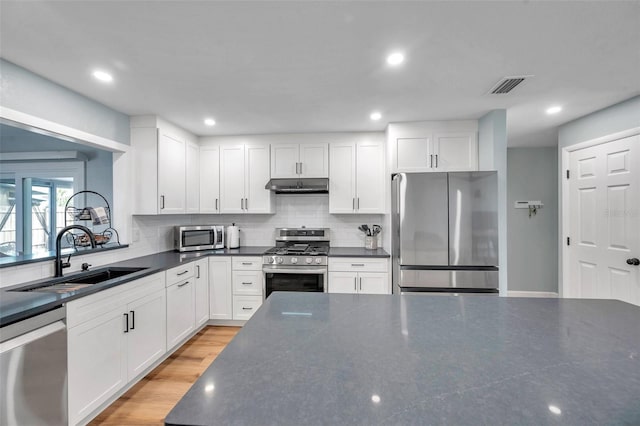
155 233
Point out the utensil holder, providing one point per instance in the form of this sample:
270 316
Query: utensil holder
371 243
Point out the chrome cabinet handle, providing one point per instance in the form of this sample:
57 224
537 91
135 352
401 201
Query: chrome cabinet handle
357 264
183 284
241 203
247 309
126 321
355 284
353 204
247 263
358 203
431 160
162 199
436 161
246 283
246 204
216 204
133 320
182 273
198 268
360 284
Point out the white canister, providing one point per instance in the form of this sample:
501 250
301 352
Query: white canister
233 236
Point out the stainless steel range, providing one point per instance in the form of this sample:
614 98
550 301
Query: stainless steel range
298 262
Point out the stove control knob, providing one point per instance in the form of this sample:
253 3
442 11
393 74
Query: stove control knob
269 259
294 260
308 260
318 260
279 260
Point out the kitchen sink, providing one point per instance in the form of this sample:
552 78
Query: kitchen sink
79 281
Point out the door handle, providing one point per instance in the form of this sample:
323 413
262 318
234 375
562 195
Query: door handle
216 204
355 283
133 320
633 261
358 203
246 309
360 284
431 160
353 204
126 321
162 199
182 273
183 284
436 161
198 268
246 204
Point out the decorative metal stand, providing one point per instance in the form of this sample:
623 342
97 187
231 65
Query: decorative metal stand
96 219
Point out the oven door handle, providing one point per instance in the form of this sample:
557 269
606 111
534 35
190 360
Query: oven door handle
294 270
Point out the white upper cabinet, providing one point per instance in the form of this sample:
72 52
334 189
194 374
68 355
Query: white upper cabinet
356 178
244 172
291 160
440 152
166 169
192 190
209 179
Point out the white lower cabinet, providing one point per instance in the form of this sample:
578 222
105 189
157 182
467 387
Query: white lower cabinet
112 337
180 311
247 279
220 288
358 275
202 291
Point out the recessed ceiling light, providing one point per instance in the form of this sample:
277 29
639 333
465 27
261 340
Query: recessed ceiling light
395 59
210 122
103 76
554 109
375 116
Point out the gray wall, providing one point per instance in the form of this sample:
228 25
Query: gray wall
29 93
492 155
533 242
616 118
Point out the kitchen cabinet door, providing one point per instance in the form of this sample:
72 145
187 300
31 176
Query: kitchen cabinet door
370 172
232 179
147 340
192 187
171 174
373 283
314 160
257 198
455 152
343 282
247 282
97 360
180 311
414 154
220 288
209 179
284 159
342 178
202 291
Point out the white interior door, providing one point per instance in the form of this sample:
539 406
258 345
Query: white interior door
604 191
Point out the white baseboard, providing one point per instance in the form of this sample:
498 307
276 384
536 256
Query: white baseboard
531 294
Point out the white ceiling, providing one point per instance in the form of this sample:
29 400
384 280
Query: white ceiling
285 67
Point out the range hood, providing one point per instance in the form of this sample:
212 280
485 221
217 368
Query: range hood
299 186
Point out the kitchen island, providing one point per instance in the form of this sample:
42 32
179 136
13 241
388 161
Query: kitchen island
310 358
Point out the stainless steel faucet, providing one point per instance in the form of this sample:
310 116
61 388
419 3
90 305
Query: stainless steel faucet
59 263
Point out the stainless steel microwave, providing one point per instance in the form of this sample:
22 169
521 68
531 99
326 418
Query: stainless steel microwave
203 237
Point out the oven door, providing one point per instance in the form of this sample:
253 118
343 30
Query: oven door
295 278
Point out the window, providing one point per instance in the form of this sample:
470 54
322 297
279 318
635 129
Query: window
32 202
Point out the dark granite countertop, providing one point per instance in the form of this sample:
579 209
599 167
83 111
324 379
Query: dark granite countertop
356 252
16 306
337 359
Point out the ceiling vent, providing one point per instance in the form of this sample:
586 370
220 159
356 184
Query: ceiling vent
507 84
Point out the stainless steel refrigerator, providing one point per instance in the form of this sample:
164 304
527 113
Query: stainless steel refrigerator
445 232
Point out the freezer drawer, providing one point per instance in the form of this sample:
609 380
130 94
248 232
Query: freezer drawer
453 279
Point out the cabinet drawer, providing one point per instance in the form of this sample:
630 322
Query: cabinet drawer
247 263
247 282
357 264
180 273
245 306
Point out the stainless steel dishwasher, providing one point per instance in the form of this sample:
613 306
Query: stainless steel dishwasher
33 371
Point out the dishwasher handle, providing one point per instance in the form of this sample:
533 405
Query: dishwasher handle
31 336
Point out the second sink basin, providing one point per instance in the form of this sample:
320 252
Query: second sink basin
62 285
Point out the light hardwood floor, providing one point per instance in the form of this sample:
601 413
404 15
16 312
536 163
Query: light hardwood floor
151 399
